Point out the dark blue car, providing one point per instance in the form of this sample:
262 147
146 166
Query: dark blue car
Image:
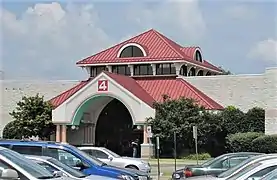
71 156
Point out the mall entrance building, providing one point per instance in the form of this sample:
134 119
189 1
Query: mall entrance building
110 108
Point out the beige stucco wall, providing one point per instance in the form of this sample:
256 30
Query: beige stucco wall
243 91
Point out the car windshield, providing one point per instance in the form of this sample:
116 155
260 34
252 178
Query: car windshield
244 171
230 171
66 168
234 169
88 157
27 165
271 175
111 153
212 161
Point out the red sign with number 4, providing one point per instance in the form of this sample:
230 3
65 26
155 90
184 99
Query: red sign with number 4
103 85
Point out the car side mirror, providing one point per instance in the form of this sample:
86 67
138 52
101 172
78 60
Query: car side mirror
80 165
110 158
58 174
9 174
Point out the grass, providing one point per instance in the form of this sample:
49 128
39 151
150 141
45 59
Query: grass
172 161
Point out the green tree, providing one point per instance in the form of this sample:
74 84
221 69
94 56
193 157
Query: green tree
255 119
10 131
180 116
233 120
33 117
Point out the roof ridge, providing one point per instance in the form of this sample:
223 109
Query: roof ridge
104 50
192 88
165 41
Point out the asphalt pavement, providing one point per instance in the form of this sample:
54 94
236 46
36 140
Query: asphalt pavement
165 169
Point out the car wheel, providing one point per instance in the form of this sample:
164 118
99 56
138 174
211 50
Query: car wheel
132 167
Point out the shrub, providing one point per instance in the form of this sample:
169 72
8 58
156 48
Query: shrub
241 142
265 144
202 156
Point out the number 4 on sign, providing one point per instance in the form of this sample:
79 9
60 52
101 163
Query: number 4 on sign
103 85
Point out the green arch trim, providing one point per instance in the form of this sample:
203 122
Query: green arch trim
78 114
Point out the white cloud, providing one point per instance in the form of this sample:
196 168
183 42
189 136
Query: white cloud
265 50
241 12
47 39
183 16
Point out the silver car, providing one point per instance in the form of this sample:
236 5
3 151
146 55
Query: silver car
56 167
236 169
15 166
111 158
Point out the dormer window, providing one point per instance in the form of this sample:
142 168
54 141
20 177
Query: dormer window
131 50
198 56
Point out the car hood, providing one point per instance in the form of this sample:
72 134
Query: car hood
189 166
133 159
119 170
62 178
94 177
138 172
208 177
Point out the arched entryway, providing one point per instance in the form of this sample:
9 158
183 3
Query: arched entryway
104 121
114 128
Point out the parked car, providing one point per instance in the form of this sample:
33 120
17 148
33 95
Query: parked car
270 176
70 156
214 166
15 166
227 174
114 159
255 170
56 167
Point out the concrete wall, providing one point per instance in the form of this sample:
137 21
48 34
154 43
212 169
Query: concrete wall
12 92
243 91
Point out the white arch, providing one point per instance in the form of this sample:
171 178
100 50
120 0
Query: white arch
131 44
194 54
109 94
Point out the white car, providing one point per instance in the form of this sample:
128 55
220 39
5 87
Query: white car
236 169
56 167
15 166
111 158
255 171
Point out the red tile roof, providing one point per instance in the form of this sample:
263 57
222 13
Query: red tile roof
175 88
149 90
61 98
132 86
157 46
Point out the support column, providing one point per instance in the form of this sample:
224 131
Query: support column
154 67
131 66
147 146
109 68
178 68
63 133
58 133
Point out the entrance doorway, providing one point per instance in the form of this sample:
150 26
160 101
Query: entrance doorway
114 128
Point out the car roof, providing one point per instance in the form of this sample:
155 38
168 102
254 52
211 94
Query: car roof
243 153
91 147
29 142
38 157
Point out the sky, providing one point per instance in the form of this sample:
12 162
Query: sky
45 39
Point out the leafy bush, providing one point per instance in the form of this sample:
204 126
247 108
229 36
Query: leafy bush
265 144
241 142
202 156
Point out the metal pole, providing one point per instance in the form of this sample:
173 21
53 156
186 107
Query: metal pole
175 151
158 156
196 150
